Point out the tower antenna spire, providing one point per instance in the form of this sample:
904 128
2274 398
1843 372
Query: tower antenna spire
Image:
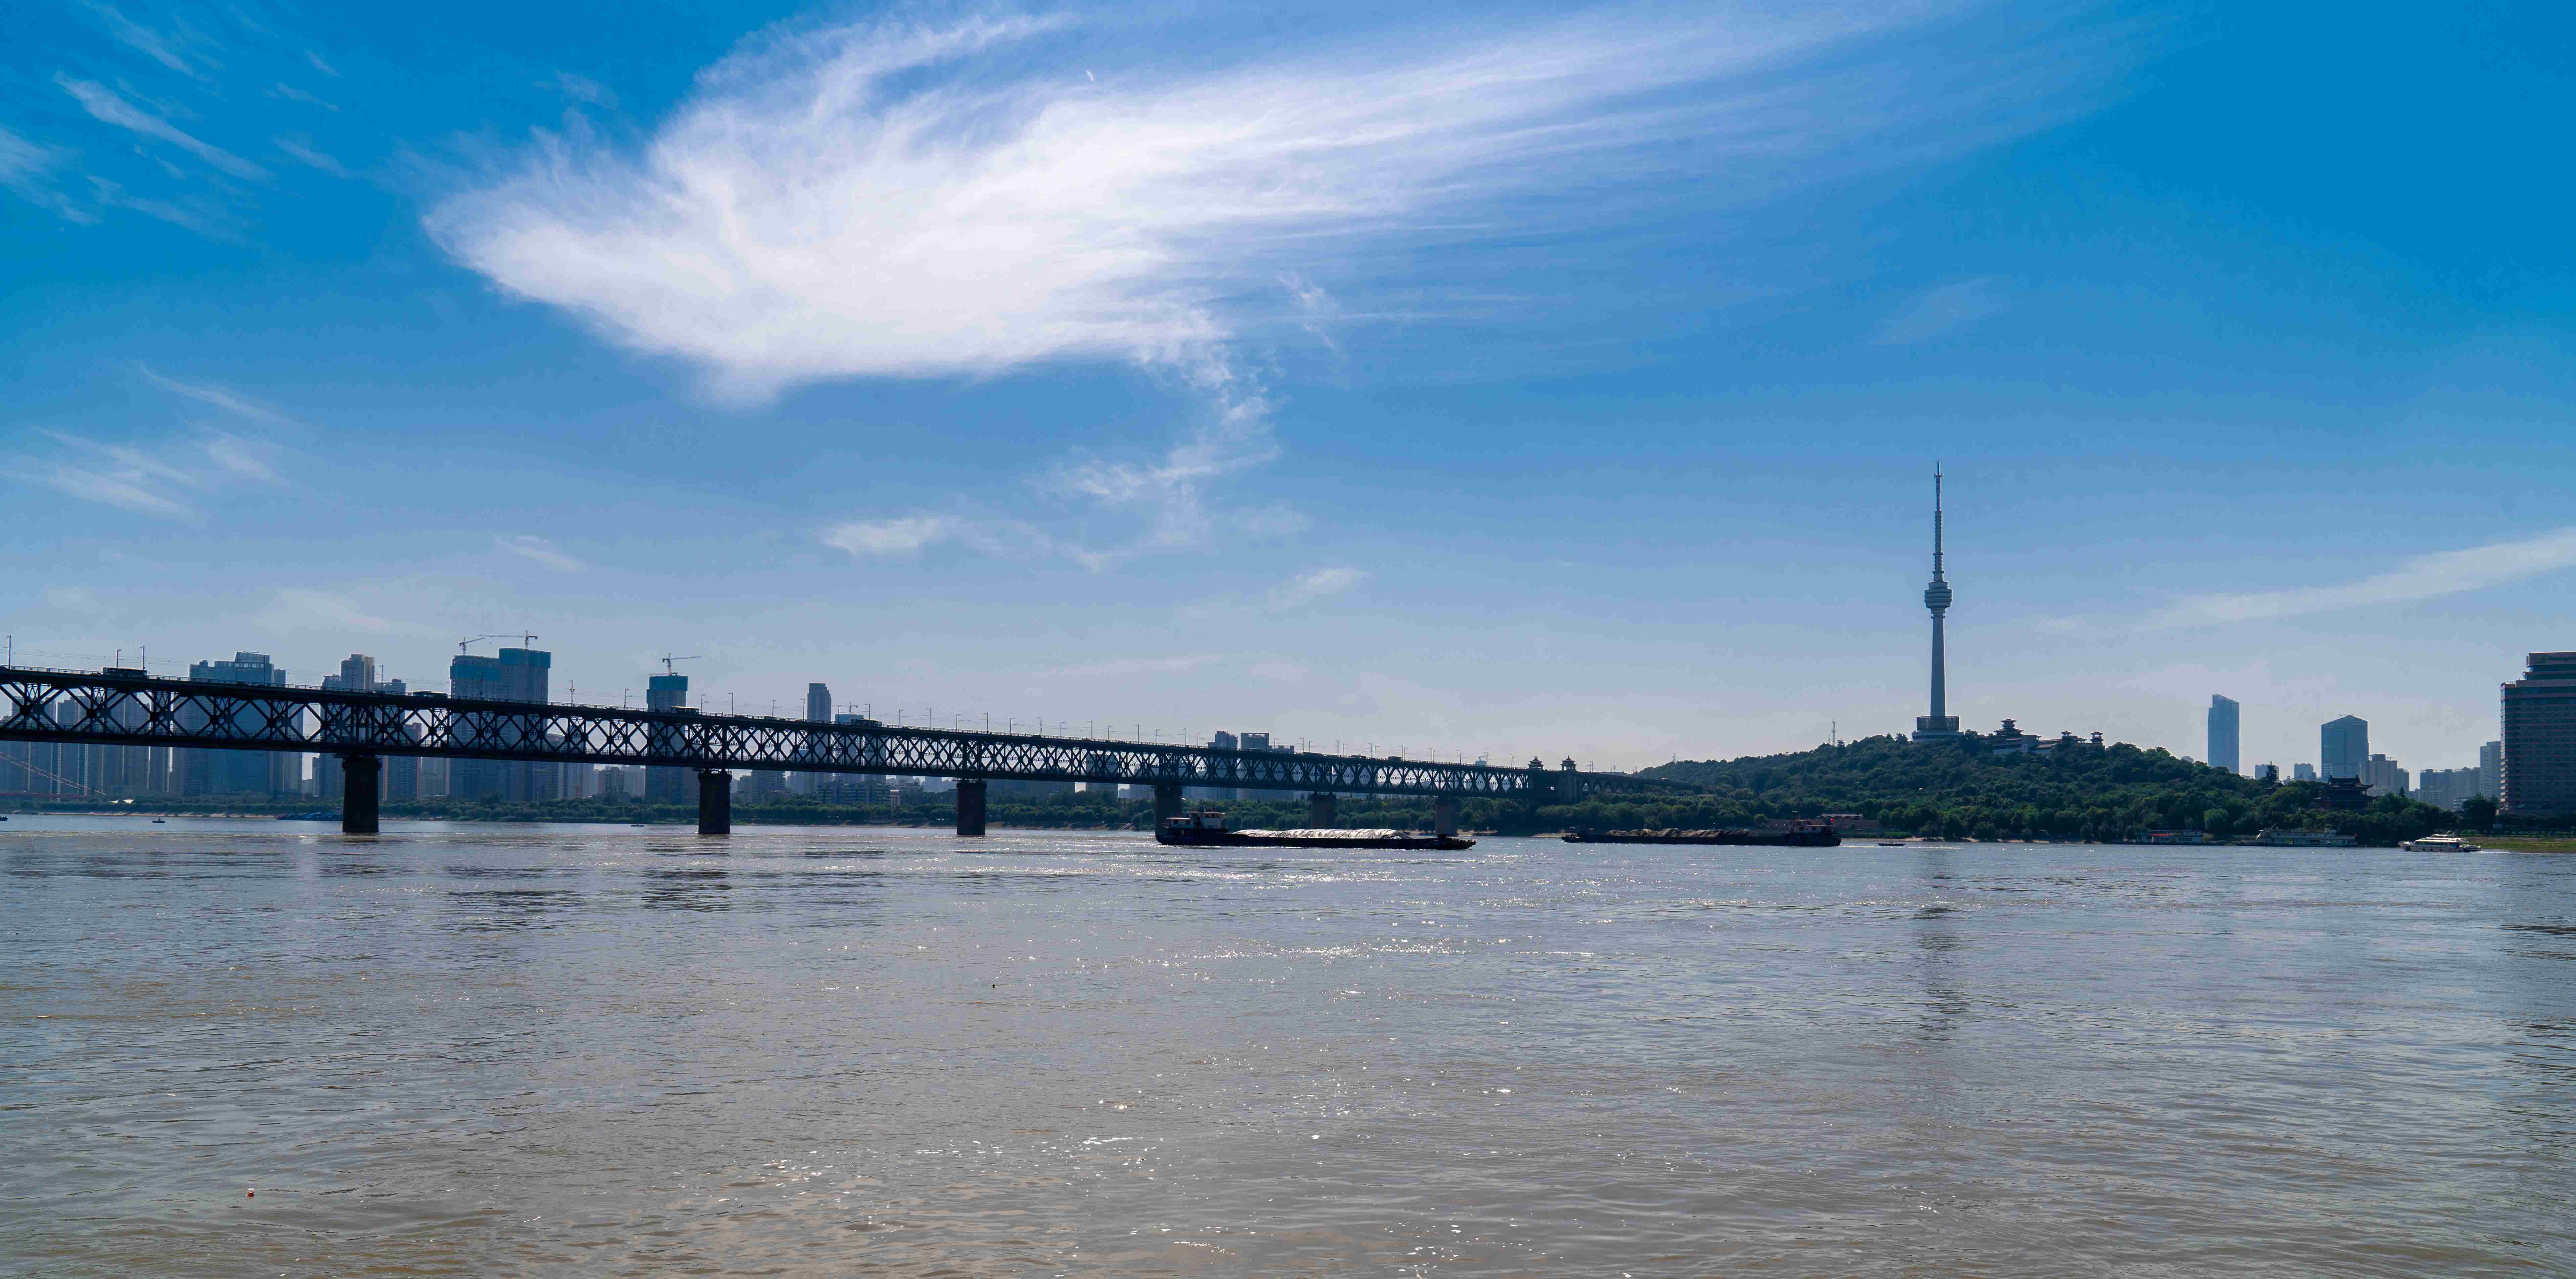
1936 599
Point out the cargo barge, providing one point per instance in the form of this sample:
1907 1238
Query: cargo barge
1801 835
1206 829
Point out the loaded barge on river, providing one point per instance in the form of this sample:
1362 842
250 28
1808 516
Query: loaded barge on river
1798 835
1206 829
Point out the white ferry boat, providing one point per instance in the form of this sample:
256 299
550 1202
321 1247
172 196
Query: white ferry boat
2439 844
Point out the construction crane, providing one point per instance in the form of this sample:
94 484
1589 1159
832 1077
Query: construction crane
523 638
666 663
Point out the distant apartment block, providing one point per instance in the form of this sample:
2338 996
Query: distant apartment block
2491 770
2343 746
2303 772
2447 787
2222 733
254 773
2539 746
2382 775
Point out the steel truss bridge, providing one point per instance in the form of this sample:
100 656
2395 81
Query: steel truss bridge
119 707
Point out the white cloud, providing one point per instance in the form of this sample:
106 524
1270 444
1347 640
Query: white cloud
902 199
302 610
230 401
241 457
581 88
164 477
150 43
303 149
1315 584
1940 312
106 107
129 489
22 169
321 66
982 194
2422 577
282 89
540 550
901 536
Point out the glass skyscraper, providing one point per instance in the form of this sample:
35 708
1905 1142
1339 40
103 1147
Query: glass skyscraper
2222 733
2343 747
2540 737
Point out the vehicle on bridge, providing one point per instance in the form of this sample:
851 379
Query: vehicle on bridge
1206 829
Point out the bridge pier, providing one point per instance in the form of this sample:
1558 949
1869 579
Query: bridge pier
970 807
1167 802
1444 815
715 802
361 785
1319 810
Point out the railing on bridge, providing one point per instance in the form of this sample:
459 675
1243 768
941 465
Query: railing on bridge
127 708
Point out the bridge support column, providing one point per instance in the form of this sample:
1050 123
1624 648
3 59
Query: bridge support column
715 802
970 807
1167 803
1444 815
361 783
1319 810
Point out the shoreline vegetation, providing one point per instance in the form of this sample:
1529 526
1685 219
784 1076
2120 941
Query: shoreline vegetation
1960 789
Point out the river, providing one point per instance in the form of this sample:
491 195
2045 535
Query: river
241 1047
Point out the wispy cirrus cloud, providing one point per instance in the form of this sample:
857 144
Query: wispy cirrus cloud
23 166
296 611
1941 311
224 398
105 106
538 549
976 194
161 479
909 199
166 477
152 44
300 148
1316 584
2420 578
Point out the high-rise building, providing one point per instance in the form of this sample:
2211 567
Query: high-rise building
401 777
2222 732
514 675
222 772
1936 597
2382 775
2303 772
818 710
1217 741
2539 747
664 784
2491 770
2446 787
2343 746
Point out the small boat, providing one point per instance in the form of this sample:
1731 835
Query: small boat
1891 843
157 821
1798 835
2439 844
1206 829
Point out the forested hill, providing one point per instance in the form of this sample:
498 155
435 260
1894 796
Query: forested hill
1961 787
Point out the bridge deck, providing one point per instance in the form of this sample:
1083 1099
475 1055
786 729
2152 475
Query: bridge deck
131 709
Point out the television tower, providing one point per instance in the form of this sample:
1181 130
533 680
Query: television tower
1936 597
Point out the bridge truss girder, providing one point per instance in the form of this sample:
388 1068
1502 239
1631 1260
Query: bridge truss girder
134 710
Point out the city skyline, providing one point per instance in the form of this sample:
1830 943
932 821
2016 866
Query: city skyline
1432 452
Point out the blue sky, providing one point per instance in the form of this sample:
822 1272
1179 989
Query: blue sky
1492 379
